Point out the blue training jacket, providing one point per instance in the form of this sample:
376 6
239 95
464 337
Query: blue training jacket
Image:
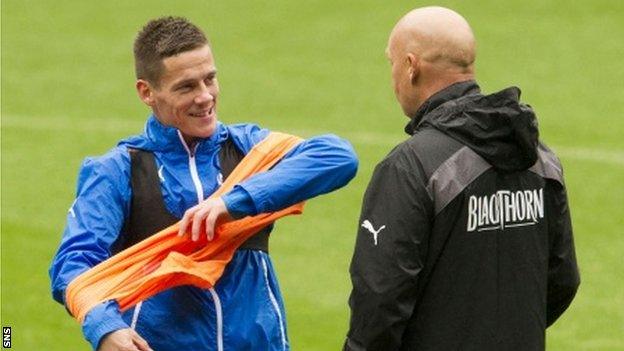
244 310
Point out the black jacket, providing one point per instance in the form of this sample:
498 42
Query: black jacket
465 240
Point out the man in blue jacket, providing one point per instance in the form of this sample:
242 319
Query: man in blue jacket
152 180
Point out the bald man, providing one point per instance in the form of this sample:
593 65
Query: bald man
465 240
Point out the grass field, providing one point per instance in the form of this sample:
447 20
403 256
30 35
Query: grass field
307 68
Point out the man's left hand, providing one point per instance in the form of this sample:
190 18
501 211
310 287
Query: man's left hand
207 213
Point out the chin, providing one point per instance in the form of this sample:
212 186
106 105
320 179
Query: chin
204 133
406 112
208 131
409 109
201 133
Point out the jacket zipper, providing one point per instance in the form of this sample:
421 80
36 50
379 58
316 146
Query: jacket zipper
135 315
276 307
200 197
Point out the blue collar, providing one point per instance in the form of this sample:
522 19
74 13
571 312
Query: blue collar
163 138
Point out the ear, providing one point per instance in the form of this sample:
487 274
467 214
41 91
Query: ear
145 91
413 68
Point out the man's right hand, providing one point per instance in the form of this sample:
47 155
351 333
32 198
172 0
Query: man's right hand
123 340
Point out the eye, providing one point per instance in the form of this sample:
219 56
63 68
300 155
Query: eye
185 88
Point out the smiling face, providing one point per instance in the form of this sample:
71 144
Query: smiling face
186 94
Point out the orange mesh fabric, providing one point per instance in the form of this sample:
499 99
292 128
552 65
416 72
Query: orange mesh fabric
166 260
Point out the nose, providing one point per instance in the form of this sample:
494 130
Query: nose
206 95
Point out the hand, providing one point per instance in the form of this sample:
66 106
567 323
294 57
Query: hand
207 213
123 340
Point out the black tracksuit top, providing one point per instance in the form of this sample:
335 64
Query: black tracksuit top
465 239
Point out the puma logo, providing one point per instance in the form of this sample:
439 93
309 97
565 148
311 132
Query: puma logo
369 226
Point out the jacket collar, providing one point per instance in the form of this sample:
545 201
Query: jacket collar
161 137
452 92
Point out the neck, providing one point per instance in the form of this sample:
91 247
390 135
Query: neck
190 142
431 87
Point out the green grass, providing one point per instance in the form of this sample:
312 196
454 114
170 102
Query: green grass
307 68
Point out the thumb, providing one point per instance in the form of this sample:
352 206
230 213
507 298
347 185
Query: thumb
140 342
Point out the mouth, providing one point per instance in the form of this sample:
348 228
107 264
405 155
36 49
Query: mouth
209 113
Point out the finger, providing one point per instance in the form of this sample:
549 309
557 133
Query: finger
128 345
198 220
140 342
211 221
185 221
118 340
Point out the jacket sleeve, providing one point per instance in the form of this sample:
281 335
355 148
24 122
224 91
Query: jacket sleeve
94 222
316 166
563 273
389 255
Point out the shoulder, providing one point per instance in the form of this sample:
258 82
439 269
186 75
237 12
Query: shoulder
429 148
113 165
425 150
246 135
548 164
401 162
401 173
401 155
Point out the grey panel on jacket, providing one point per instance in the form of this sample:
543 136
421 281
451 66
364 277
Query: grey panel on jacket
454 175
547 165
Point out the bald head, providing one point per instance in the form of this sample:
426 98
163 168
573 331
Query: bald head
430 48
438 35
